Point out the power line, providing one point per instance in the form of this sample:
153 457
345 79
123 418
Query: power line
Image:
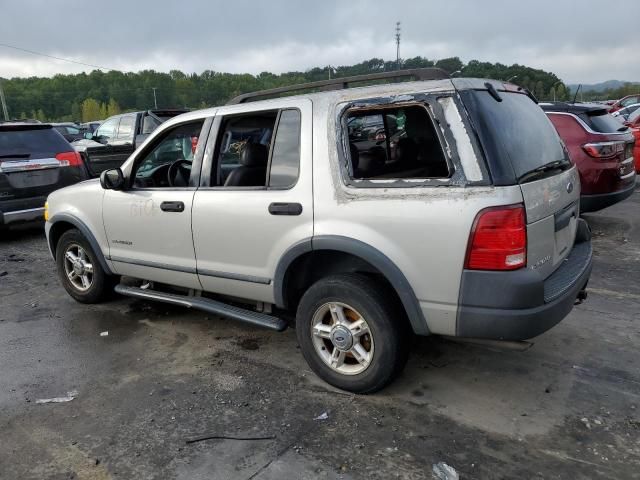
56 58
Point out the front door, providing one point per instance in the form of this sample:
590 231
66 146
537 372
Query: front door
115 148
148 225
255 199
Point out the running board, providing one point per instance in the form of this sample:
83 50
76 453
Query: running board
207 305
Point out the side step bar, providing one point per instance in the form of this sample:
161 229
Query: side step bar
207 305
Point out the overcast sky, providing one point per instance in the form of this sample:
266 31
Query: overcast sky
579 40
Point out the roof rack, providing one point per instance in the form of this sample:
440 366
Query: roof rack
343 83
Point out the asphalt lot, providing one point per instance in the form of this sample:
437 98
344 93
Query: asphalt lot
568 407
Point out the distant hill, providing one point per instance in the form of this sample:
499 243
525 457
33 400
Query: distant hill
602 86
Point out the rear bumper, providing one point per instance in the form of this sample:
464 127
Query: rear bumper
593 203
520 305
20 216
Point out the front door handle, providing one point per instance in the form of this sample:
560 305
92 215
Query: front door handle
172 206
285 209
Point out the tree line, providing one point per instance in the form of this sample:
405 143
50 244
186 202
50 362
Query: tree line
97 95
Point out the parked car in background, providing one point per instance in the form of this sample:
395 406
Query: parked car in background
601 148
633 123
89 127
117 137
624 102
623 114
35 160
70 131
468 233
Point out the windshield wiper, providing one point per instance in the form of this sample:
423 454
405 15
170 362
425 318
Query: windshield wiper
544 170
15 155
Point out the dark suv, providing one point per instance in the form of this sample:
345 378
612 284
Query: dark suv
601 148
35 160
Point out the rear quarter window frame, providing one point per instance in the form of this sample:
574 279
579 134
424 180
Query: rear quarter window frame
428 101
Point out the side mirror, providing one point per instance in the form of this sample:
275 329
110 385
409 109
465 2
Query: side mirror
112 179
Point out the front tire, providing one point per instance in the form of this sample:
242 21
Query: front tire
352 333
79 270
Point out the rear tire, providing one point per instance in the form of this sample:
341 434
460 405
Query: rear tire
352 332
79 270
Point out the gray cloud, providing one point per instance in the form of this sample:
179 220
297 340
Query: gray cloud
589 40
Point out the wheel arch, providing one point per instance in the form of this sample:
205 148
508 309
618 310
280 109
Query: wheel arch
63 222
295 258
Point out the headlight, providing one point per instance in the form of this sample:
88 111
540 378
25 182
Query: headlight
46 211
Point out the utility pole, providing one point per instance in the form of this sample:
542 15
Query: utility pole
155 100
4 104
397 45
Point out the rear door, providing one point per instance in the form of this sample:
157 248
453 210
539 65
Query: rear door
29 168
114 149
243 224
523 147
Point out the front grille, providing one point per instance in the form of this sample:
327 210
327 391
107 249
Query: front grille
569 272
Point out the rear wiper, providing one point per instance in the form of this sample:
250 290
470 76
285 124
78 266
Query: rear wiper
541 172
15 155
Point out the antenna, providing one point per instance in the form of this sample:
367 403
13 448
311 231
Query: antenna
576 95
397 45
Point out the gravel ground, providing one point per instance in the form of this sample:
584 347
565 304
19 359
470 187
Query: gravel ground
568 407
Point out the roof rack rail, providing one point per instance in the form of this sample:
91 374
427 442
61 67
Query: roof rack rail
343 83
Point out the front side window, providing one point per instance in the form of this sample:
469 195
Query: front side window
394 143
168 161
107 130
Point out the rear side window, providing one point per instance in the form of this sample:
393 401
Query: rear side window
515 133
35 143
285 157
394 143
125 129
601 122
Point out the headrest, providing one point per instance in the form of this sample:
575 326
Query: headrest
254 155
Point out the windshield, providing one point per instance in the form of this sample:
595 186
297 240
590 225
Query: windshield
515 133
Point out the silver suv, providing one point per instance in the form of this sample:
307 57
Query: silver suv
435 207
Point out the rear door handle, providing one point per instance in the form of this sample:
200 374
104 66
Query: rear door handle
172 206
285 209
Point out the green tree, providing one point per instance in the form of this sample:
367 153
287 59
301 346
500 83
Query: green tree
90 108
112 108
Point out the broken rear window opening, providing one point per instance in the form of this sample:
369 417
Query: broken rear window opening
397 142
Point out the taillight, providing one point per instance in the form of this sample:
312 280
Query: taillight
498 239
69 159
604 149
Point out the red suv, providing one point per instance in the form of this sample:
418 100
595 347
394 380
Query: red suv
602 149
633 122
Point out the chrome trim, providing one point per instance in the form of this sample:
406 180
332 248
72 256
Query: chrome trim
628 175
234 276
144 263
23 215
10 166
